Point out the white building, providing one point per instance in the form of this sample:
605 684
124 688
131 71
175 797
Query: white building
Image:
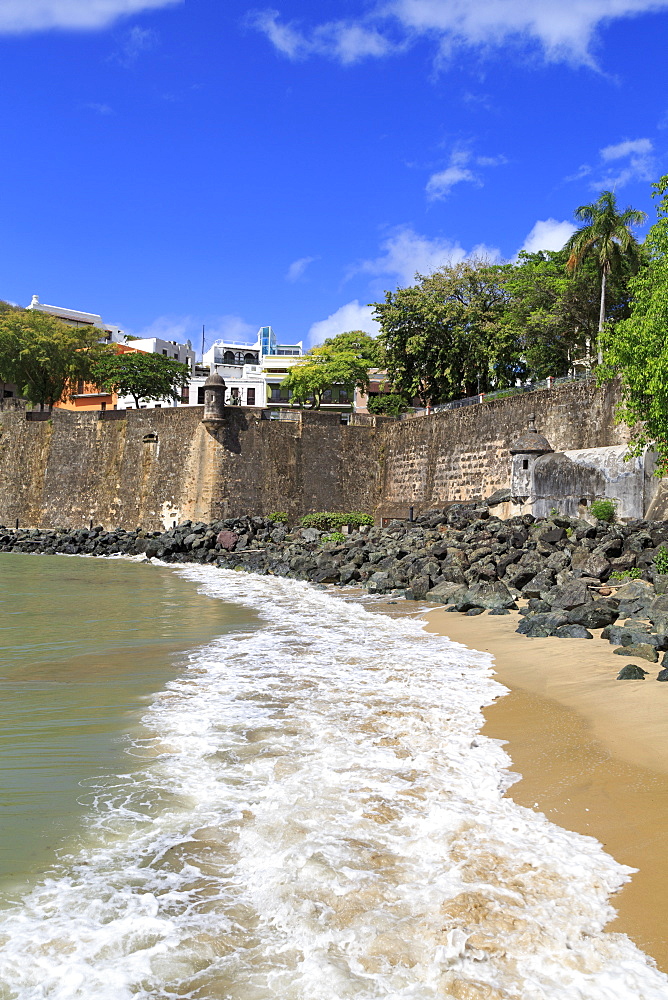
252 372
75 317
183 353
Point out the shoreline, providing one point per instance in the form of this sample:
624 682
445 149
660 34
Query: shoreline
592 753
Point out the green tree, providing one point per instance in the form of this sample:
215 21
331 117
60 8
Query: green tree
607 237
636 348
322 368
554 316
140 375
361 344
445 337
44 356
388 404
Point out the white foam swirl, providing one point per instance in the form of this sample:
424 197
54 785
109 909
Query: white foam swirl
317 819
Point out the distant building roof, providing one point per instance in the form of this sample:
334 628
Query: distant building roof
75 315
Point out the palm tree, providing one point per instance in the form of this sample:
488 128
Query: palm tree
606 236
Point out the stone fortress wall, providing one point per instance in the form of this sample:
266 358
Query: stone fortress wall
152 467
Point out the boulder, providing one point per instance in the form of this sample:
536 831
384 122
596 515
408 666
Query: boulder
540 584
598 614
474 611
572 632
226 540
489 595
632 672
571 595
641 649
418 589
636 590
662 674
657 611
447 592
498 611
544 624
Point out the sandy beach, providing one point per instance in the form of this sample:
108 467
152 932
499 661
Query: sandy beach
592 752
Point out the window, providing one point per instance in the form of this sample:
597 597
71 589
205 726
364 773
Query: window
250 397
165 353
343 395
200 395
525 463
176 356
103 406
275 393
228 357
327 396
80 387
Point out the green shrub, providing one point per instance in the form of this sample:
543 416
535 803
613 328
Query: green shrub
337 537
326 520
388 404
627 574
604 510
279 517
661 560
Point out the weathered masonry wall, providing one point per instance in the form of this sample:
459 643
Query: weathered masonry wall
156 466
462 454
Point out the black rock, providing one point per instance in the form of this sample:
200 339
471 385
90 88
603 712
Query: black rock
498 611
632 672
474 611
599 614
572 632
642 650
662 674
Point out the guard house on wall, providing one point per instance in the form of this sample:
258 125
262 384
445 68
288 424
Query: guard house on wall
214 402
525 451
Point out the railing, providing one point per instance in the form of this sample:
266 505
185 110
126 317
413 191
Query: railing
488 397
293 415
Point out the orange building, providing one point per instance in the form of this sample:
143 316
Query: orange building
88 396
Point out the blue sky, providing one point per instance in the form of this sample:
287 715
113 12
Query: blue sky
169 163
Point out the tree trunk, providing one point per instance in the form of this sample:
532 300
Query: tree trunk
601 317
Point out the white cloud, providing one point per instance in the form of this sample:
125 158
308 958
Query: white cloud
441 183
345 41
564 31
548 234
352 316
297 268
407 253
612 172
136 41
630 147
100 109
20 16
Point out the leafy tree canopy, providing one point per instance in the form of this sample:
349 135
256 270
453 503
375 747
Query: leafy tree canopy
636 349
320 369
42 355
388 404
140 375
554 315
607 238
445 337
366 347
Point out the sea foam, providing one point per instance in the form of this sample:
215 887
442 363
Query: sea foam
317 817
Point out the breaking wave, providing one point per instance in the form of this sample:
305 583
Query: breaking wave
316 817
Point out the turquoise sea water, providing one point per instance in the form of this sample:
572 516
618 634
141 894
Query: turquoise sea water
83 644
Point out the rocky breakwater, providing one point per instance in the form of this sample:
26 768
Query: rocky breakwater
556 571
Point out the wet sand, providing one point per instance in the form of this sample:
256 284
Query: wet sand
592 752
